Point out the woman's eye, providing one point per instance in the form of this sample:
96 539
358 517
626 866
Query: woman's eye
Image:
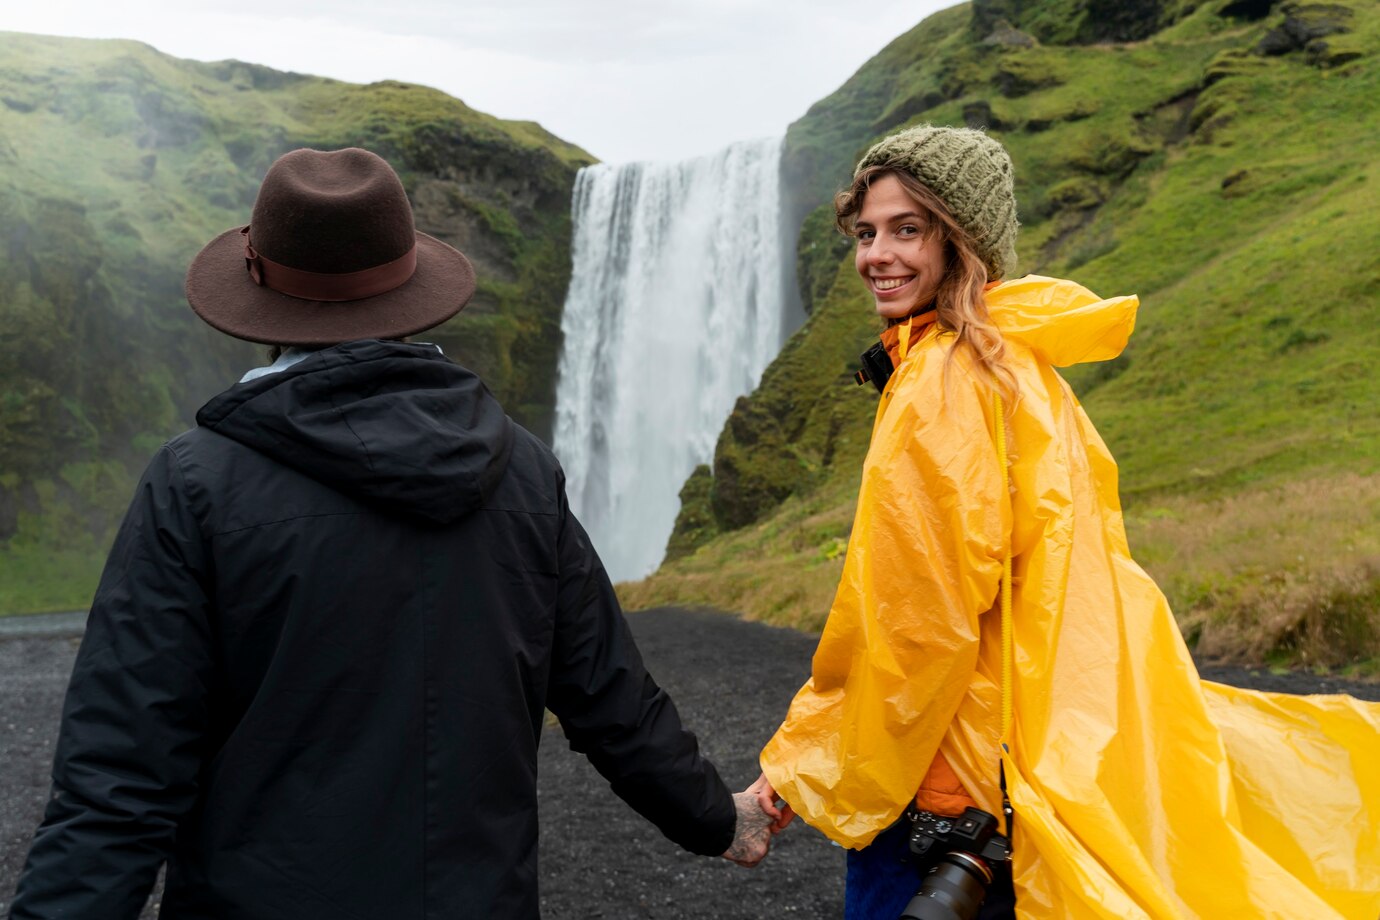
866 235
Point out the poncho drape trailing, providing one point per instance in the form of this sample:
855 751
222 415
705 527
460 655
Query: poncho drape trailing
1139 789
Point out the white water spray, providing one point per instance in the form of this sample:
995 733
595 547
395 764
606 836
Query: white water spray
674 310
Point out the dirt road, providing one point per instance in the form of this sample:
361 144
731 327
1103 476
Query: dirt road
731 681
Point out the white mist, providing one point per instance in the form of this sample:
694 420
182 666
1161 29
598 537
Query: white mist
675 308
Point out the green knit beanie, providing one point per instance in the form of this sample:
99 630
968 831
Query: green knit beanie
971 173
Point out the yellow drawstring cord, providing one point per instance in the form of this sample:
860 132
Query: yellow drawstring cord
999 417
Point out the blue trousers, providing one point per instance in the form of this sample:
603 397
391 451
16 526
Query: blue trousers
881 881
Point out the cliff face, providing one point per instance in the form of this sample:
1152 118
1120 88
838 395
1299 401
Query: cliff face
117 163
1215 158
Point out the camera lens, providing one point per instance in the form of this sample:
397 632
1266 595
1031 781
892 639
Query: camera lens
953 890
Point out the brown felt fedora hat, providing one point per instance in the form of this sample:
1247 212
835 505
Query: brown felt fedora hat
331 254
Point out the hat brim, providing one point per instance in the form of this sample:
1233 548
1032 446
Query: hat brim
223 294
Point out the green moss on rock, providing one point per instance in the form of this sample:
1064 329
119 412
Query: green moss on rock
817 255
695 524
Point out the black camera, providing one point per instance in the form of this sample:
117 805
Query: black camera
956 855
876 367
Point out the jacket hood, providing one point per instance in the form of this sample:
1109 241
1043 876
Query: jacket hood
1062 322
397 425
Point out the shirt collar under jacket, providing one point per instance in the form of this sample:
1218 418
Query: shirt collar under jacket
287 359
293 355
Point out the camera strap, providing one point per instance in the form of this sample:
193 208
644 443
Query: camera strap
1007 650
1007 811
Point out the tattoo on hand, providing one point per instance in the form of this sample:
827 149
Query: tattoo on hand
752 835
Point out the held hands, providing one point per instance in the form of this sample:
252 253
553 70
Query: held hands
782 814
759 819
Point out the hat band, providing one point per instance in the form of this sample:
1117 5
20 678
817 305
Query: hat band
328 286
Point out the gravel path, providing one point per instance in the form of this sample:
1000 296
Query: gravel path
732 682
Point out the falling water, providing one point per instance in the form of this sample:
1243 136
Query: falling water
674 310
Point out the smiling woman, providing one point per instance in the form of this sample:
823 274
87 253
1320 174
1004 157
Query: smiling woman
999 687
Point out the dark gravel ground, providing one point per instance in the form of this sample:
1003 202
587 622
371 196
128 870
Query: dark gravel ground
732 682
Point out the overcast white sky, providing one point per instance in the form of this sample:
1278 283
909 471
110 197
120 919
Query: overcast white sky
626 80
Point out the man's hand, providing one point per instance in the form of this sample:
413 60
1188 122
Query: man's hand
752 835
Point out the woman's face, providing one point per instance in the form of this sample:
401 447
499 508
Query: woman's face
900 253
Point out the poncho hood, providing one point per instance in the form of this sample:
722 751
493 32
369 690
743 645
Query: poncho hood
1062 322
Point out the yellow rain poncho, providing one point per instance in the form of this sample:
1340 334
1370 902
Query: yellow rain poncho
1139 790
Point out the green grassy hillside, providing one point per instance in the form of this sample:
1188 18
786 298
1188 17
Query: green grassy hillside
1219 160
117 163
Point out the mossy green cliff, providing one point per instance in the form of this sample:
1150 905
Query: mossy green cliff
117 163
1216 158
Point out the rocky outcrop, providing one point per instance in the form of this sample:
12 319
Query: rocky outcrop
1005 35
1248 9
1069 22
1309 27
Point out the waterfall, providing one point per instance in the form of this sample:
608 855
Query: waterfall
674 310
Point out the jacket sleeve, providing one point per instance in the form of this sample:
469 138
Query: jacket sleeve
129 747
614 712
900 647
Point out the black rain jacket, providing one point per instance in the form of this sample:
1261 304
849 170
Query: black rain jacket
314 672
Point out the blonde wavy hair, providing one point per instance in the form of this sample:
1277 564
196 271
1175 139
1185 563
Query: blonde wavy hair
959 302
